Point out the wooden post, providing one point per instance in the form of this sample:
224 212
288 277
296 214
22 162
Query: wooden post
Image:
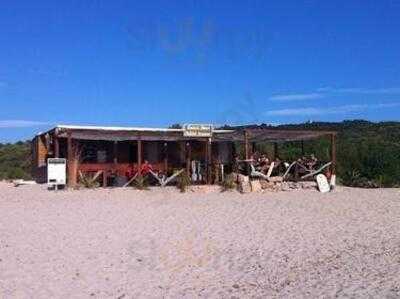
56 146
188 157
104 178
333 153
139 154
165 157
302 148
208 161
115 153
132 145
276 154
233 156
182 152
72 162
253 147
246 145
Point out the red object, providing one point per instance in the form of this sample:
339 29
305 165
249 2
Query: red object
145 169
130 173
328 174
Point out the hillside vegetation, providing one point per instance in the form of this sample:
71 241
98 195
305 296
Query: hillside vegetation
15 160
368 154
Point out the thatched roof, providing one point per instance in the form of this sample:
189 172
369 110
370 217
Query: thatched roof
166 134
270 135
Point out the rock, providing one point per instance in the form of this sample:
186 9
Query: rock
287 186
235 286
255 186
308 185
276 179
267 185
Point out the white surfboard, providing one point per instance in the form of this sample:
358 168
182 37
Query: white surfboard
323 184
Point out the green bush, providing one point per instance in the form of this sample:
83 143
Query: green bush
141 183
183 181
15 161
228 183
87 181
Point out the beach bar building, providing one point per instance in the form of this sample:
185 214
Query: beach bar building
120 152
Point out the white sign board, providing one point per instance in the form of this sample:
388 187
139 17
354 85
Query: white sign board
56 171
197 130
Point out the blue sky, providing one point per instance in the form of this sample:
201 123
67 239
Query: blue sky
154 63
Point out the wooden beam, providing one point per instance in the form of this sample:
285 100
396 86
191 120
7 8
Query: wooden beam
333 153
233 153
56 146
208 162
246 145
139 154
276 153
72 162
188 157
104 179
115 152
165 149
182 152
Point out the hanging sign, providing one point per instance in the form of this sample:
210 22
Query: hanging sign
197 130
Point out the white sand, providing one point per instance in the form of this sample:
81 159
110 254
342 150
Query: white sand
154 244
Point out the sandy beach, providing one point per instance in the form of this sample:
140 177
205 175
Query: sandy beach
124 243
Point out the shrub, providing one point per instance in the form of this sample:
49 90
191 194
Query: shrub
353 178
15 161
228 183
141 182
183 181
87 181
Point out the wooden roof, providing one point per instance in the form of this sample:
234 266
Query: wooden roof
271 135
124 133
166 134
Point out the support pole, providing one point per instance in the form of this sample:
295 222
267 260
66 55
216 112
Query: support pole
139 154
182 152
233 156
165 151
115 153
208 161
188 157
276 153
56 146
72 162
246 145
104 179
333 153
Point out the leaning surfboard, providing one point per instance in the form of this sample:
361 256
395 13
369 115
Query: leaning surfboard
323 184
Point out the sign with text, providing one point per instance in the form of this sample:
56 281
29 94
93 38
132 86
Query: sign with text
197 130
